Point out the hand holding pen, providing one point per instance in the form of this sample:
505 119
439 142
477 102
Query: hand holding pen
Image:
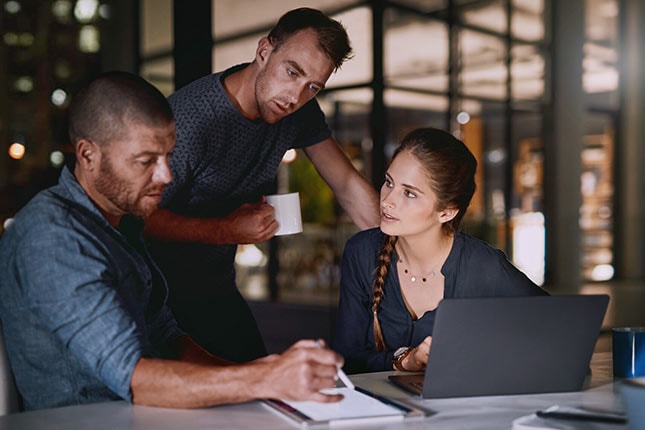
341 375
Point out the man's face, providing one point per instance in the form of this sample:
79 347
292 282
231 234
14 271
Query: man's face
134 169
291 76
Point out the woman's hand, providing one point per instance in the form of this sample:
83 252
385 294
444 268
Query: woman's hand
418 358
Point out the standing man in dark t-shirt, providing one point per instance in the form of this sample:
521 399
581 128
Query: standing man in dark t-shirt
233 129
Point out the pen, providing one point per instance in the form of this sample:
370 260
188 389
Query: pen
341 375
582 416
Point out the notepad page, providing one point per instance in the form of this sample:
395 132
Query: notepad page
354 405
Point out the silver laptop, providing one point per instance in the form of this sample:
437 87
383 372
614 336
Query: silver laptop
509 345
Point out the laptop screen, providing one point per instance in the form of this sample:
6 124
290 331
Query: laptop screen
512 345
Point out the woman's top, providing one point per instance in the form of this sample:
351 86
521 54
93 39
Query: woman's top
472 269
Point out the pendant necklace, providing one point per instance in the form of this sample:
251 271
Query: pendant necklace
413 277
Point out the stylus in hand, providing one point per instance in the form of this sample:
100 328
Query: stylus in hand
341 375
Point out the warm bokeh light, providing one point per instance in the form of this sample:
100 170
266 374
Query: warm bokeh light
16 151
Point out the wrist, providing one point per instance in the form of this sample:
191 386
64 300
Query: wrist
400 356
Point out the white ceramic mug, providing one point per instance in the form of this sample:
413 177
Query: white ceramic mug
287 212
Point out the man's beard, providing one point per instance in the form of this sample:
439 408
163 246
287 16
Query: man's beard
117 191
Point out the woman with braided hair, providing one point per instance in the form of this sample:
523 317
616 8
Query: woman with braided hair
394 276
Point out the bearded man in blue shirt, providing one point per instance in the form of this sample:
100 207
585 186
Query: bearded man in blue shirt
82 304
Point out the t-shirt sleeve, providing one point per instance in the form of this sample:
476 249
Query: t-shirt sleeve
67 282
188 151
314 128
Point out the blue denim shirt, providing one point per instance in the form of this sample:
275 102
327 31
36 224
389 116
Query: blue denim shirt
80 301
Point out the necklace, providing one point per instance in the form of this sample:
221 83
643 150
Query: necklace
414 278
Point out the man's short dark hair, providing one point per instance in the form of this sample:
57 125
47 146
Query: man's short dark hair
99 110
332 37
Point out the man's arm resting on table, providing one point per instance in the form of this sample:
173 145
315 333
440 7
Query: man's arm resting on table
352 190
250 223
297 374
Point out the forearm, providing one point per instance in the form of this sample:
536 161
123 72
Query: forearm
354 193
178 384
298 374
361 202
166 225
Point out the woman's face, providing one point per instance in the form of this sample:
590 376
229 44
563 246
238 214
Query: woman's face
407 201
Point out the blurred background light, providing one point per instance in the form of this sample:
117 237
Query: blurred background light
88 39
463 117
86 10
24 84
12 7
16 151
57 158
59 97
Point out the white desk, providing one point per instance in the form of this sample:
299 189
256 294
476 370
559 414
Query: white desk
496 412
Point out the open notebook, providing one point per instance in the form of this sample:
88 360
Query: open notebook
509 345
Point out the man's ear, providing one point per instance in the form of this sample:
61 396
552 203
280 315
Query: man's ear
87 154
448 214
263 51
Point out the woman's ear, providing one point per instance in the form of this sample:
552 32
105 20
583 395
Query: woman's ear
448 214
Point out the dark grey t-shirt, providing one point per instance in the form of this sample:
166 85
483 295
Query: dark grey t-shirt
220 161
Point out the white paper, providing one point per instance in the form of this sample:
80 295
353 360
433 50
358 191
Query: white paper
354 405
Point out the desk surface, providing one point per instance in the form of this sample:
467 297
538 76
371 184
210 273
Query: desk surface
491 412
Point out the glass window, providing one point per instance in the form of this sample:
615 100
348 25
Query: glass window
483 65
415 52
406 110
156 26
600 63
527 72
597 188
160 74
527 20
234 16
489 15
527 239
426 6
230 53
358 70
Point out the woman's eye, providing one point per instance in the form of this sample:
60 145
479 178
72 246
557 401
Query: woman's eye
410 194
388 183
291 73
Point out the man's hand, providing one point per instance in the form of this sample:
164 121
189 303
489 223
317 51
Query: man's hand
251 223
301 372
